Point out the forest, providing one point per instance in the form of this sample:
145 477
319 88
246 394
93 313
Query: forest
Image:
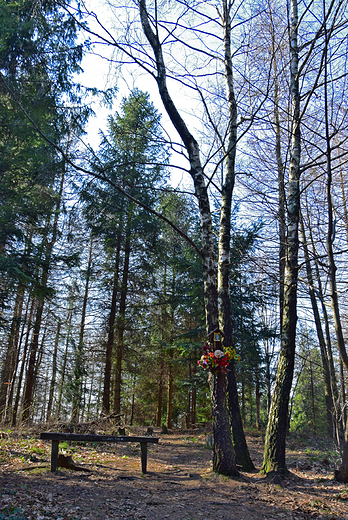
214 200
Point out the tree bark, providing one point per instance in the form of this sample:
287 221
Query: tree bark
65 358
23 361
111 326
54 372
223 450
330 410
274 451
169 422
121 320
225 315
160 392
79 355
10 359
223 464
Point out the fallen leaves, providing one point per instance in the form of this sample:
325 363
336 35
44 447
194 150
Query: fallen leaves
180 484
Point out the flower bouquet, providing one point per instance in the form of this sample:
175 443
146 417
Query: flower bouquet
217 360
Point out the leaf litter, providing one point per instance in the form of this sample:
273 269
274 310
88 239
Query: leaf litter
180 483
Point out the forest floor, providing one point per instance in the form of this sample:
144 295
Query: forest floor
179 485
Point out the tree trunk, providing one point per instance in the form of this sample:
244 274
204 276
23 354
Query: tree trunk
258 404
342 476
169 422
111 327
10 359
79 355
312 395
242 456
274 451
243 404
121 321
281 183
63 369
160 392
223 451
319 292
330 410
54 372
23 361
221 432
343 395
30 373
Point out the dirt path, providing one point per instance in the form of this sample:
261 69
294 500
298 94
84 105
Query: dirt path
180 484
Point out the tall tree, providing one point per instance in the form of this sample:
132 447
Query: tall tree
134 155
274 451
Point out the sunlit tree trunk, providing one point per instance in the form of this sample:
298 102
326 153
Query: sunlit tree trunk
224 457
274 450
225 313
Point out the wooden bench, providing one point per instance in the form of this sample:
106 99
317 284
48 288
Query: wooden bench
58 437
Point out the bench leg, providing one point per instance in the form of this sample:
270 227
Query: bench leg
143 446
54 455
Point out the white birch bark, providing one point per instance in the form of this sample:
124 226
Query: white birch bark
274 451
223 460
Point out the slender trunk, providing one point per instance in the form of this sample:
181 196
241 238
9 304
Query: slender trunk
342 475
132 409
281 182
243 404
10 359
258 404
54 372
251 405
329 400
268 377
169 423
111 325
23 361
312 395
274 451
33 352
160 392
37 367
121 321
91 390
79 355
343 395
320 293
194 398
63 369
344 203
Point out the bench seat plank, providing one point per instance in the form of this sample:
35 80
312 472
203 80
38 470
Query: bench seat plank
88 437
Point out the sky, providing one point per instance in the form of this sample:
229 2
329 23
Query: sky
98 73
